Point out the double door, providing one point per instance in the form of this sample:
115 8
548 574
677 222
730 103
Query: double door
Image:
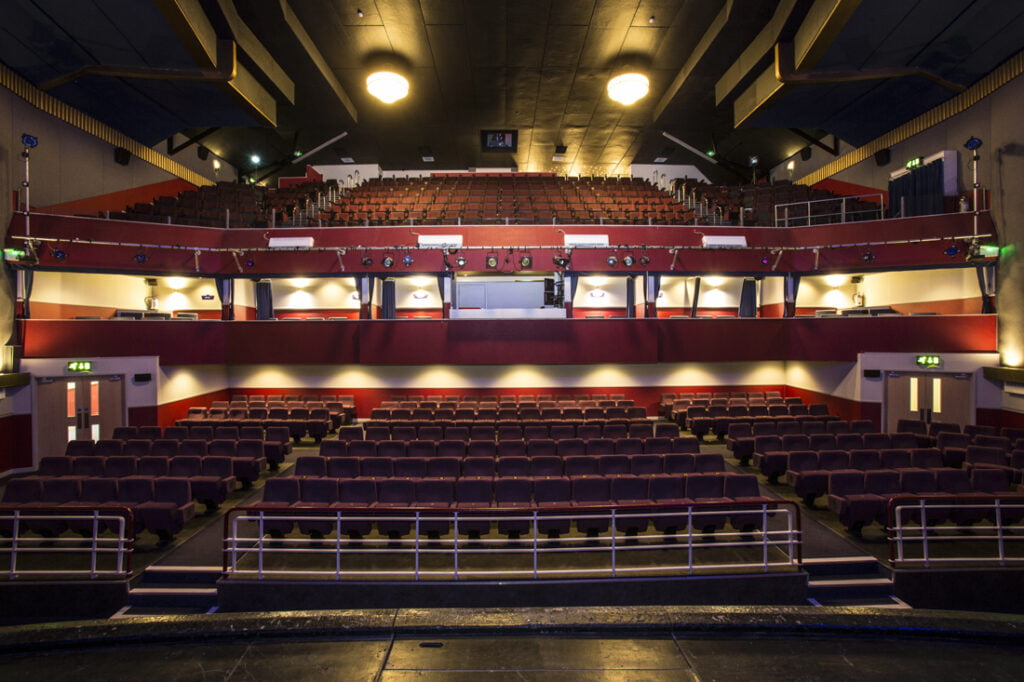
928 397
76 408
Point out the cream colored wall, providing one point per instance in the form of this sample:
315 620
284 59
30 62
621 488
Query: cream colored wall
314 293
914 286
826 291
186 293
720 292
675 292
613 287
407 287
183 382
73 288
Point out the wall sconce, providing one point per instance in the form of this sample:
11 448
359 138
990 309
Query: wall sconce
491 262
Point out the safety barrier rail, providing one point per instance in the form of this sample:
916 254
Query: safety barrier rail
939 530
33 542
833 210
769 541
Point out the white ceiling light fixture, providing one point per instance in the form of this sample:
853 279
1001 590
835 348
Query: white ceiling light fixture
387 86
627 88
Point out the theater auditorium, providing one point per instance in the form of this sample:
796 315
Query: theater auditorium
556 339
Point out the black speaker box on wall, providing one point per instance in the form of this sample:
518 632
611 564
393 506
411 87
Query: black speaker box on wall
122 155
872 374
883 157
805 154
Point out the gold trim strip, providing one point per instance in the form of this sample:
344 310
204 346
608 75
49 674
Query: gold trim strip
1003 74
51 105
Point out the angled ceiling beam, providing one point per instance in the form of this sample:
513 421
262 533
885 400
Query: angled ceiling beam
199 38
833 150
698 53
823 23
254 49
318 59
172 150
760 46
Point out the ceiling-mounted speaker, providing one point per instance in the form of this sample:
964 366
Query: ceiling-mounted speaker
122 156
805 154
202 152
883 157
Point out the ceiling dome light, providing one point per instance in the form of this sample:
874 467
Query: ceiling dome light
387 86
627 88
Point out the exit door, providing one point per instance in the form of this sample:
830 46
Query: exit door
78 408
928 397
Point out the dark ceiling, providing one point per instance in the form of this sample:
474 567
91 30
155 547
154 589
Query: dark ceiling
537 66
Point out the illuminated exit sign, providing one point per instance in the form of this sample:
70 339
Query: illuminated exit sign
80 366
929 361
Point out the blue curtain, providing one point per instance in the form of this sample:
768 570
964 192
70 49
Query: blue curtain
226 292
631 297
264 301
387 299
919 192
748 298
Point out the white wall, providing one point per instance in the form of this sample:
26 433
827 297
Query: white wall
186 293
889 288
675 292
73 288
188 381
407 288
315 293
614 289
720 292
827 291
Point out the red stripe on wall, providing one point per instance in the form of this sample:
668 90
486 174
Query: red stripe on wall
843 407
168 413
117 201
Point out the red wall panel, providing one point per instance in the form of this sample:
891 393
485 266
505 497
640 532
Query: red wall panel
16 436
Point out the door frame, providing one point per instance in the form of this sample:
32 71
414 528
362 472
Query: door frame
969 377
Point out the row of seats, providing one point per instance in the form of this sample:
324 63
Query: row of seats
771 452
740 435
862 497
507 431
521 413
526 448
248 457
559 496
299 423
489 466
195 443
161 505
713 417
273 434
496 400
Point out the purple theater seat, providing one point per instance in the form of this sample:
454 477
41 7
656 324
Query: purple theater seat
225 432
600 446
359 494
87 466
631 491
194 447
403 433
79 448
278 494
376 467
409 467
108 448
202 432
481 448
810 484
125 432
744 488
136 447
953 446
614 465
546 465
615 431
443 467
646 465
669 490
430 432
435 494
248 460
591 491
318 493
998 483
421 448
170 508
54 466
894 458
178 433
310 465
343 467
152 466
588 432
394 449
657 446
708 462
985 456
706 488
514 494
347 433
550 493
478 466
580 465
571 446
848 499
473 494
865 459
333 448
922 482
514 465
560 432
511 448
362 448
376 433
676 463
629 446
117 467
541 447
395 494
926 458
164 447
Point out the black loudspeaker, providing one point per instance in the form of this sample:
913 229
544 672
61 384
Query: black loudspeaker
872 374
883 157
202 152
122 155
805 154
142 378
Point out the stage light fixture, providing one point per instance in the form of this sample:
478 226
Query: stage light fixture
366 261
952 250
645 259
972 143
766 259
525 262
388 261
562 261
867 256
140 258
60 254
407 259
612 260
628 260
460 260
255 159
250 262
491 262
29 140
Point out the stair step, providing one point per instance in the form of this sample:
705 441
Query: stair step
173 596
824 566
889 602
831 589
208 575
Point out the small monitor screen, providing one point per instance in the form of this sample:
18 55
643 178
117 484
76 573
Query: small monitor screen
499 140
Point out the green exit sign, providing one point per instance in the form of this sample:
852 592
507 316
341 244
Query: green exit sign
915 163
80 366
929 361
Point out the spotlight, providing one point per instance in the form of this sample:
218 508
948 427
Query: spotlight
255 159
367 261
491 262
628 260
765 259
645 259
250 263
407 259
140 258
612 260
952 250
867 256
387 261
525 262
60 254
31 140
461 261
561 261
753 160
972 143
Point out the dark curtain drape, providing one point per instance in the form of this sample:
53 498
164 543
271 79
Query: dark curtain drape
791 286
29 275
226 292
918 192
987 284
387 299
631 297
264 301
748 298
696 297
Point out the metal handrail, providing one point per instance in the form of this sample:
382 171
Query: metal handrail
239 546
908 524
19 544
843 213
